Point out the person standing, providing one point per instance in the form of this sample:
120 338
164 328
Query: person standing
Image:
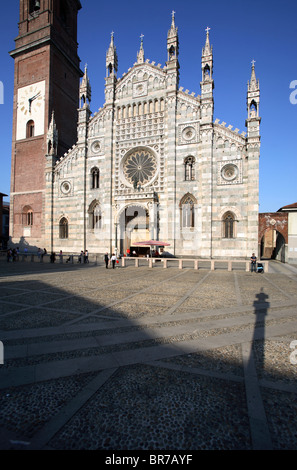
113 260
253 263
86 259
106 260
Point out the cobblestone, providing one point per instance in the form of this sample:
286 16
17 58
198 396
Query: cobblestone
140 359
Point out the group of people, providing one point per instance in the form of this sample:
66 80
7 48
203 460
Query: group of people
83 257
13 255
110 260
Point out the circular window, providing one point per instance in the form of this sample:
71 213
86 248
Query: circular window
140 166
66 187
189 133
230 172
96 146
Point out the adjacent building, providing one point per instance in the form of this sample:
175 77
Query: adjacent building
291 211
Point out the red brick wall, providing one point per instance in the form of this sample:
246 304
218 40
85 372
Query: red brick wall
281 224
62 75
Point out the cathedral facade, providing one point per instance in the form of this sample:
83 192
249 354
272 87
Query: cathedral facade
150 164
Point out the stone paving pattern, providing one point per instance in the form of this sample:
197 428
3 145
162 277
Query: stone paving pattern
147 359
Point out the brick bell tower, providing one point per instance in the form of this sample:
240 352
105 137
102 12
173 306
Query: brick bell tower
46 80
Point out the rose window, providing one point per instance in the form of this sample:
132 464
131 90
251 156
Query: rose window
140 167
229 172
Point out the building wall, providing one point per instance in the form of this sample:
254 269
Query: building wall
292 251
110 138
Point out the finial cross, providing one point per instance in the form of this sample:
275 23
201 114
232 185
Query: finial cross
253 63
207 29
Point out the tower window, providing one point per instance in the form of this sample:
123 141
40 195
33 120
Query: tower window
30 218
95 178
63 11
206 75
63 229
171 53
190 169
30 131
27 216
34 6
253 109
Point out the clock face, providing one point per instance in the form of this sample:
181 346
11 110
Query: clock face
31 107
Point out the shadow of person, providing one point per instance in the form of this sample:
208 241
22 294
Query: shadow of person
261 306
254 356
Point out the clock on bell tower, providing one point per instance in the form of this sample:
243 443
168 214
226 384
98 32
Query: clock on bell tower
46 79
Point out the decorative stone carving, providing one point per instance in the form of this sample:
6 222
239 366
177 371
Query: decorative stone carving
140 167
188 133
66 188
139 89
97 147
230 172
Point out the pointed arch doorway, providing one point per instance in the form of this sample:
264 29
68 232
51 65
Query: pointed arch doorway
134 226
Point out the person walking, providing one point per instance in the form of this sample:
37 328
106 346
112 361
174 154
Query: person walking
113 260
106 260
253 263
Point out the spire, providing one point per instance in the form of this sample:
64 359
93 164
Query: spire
173 30
85 88
52 137
207 50
253 105
112 58
207 60
253 85
140 54
172 42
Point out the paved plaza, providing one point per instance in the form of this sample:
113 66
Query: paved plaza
147 359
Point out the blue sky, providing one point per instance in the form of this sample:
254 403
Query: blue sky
241 31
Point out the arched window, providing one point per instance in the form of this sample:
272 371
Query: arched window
95 178
187 208
95 216
171 53
206 74
63 11
30 131
228 225
63 229
34 6
27 216
189 169
253 109
30 218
